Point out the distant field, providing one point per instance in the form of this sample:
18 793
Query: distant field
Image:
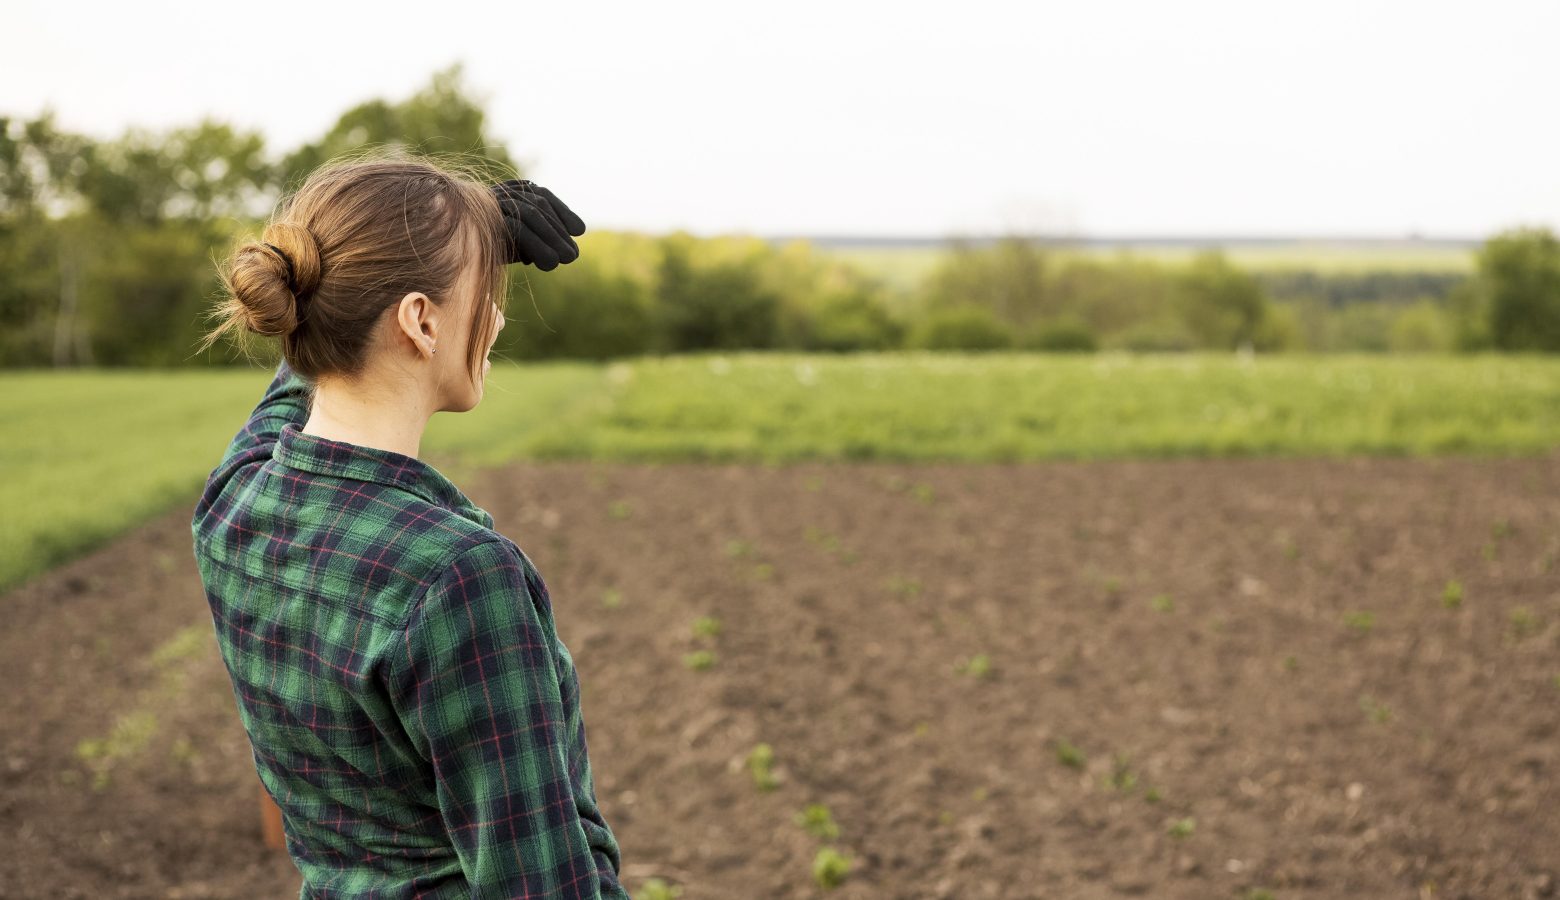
904 267
88 454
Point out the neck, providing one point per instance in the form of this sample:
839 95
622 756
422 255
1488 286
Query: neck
343 412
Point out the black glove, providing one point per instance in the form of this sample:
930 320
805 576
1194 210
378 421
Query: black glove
537 225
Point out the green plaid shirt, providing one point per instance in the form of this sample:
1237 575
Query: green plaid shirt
396 666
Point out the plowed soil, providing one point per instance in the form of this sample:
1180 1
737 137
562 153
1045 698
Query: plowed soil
1198 679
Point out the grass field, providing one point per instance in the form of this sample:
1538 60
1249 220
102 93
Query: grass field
88 454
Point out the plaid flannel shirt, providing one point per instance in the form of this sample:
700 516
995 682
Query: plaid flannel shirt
396 666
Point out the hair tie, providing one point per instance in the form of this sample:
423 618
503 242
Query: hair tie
292 275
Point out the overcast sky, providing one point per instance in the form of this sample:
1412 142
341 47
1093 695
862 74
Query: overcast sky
896 118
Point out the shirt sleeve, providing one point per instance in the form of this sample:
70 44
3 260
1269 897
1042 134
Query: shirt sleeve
476 686
286 399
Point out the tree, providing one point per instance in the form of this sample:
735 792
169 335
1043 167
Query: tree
1008 278
721 307
442 118
1222 305
1519 271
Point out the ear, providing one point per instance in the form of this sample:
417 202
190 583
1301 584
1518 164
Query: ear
417 318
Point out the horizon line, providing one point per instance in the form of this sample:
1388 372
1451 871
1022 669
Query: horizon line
1142 239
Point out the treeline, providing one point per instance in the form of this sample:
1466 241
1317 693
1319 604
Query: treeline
108 253
108 248
1348 288
631 294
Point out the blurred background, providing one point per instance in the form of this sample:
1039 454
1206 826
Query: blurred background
1136 425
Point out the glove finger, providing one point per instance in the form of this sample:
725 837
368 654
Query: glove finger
519 190
545 226
508 191
514 251
536 251
573 224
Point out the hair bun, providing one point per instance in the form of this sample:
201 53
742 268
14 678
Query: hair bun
272 278
300 255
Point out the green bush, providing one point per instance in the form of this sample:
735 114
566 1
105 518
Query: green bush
722 307
1159 335
577 312
1424 327
851 321
1222 305
960 328
1520 270
1064 335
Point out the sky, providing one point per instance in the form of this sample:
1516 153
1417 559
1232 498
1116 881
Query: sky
1088 119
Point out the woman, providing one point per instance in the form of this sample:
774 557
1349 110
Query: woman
395 661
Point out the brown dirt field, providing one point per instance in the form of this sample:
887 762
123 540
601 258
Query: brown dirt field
1259 646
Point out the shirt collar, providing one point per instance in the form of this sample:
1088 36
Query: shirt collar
312 453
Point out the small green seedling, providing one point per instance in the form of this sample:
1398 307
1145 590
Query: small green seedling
1524 623
1111 584
739 549
1379 712
1152 795
706 627
619 509
830 868
130 735
611 598
1182 829
657 889
817 821
763 571
1360 620
186 643
922 492
1291 664
904 587
1260 894
1452 594
977 666
183 751
699 660
1068 755
1162 603
760 762
1121 777
813 483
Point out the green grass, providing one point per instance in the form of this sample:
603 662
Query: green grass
88 454
1004 407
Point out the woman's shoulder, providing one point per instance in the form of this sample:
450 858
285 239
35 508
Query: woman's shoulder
485 577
